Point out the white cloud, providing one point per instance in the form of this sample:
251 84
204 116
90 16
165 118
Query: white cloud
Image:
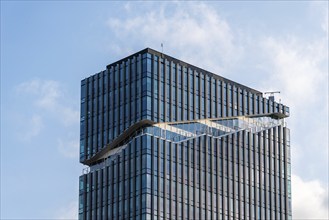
49 101
184 30
34 127
69 147
309 199
69 115
299 68
68 212
49 96
48 91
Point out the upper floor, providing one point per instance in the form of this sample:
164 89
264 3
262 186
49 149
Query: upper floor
154 86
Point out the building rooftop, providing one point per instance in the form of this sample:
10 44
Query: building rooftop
183 63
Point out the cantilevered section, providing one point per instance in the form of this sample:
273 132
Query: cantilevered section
120 140
216 128
212 124
177 132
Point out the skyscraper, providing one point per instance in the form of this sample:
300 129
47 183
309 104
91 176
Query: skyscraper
166 139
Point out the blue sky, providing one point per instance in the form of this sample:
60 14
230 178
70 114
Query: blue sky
48 47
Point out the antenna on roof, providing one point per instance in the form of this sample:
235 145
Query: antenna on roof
161 50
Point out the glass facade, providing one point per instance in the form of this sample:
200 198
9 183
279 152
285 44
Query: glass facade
165 139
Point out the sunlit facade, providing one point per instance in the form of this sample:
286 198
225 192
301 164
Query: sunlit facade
165 139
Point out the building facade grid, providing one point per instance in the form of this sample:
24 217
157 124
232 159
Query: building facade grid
241 176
